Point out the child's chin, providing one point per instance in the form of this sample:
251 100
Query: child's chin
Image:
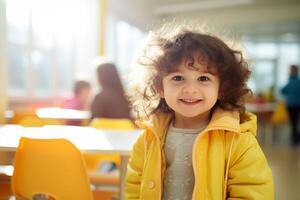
190 115
194 113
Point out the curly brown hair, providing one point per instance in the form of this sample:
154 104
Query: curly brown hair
163 54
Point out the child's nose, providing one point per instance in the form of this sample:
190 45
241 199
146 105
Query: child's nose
190 88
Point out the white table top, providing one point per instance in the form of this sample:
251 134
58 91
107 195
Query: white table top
62 113
86 139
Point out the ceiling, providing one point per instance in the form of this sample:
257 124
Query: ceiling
262 18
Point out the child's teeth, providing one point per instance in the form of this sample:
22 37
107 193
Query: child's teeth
189 100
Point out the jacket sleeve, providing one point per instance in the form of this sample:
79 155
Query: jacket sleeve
249 174
135 169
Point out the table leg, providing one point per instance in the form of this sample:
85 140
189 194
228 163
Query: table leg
124 161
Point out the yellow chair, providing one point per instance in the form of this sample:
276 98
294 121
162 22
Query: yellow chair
19 115
94 161
32 121
51 168
115 124
280 114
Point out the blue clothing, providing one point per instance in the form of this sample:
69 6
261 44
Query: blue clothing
292 91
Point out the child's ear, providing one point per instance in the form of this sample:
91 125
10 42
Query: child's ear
160 92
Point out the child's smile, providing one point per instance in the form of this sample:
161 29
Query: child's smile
190 102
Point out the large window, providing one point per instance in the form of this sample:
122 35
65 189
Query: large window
49 42
123 41
271 64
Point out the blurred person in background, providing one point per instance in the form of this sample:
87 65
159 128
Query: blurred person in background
80 99
111 101
292 94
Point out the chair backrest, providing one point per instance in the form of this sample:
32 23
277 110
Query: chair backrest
52 167
37 122
116 124
19 115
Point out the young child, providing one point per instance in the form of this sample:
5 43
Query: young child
198 141
79 101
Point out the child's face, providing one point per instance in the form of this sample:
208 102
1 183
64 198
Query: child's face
191 93
85 94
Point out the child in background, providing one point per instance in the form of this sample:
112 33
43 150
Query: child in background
79 101
198 140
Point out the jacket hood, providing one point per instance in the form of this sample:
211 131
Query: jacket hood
220 120
250 125
157 123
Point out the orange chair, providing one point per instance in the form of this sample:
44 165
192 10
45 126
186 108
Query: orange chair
19 115
51 168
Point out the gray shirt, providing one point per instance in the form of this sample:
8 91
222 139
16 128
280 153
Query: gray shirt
179 175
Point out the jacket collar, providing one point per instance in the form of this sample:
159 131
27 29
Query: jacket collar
224 120
221 120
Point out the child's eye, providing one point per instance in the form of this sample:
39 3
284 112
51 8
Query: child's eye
177 78
203 78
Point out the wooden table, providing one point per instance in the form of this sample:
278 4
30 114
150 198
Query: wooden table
86 139
263 112
260 107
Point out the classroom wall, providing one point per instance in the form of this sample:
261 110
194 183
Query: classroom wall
135 12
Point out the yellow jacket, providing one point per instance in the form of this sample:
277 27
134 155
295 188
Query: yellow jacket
227 160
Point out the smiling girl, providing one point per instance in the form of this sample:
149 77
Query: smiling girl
198 140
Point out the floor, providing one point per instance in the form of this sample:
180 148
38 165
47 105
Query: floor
283 159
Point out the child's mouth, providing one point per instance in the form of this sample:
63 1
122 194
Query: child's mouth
190 101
